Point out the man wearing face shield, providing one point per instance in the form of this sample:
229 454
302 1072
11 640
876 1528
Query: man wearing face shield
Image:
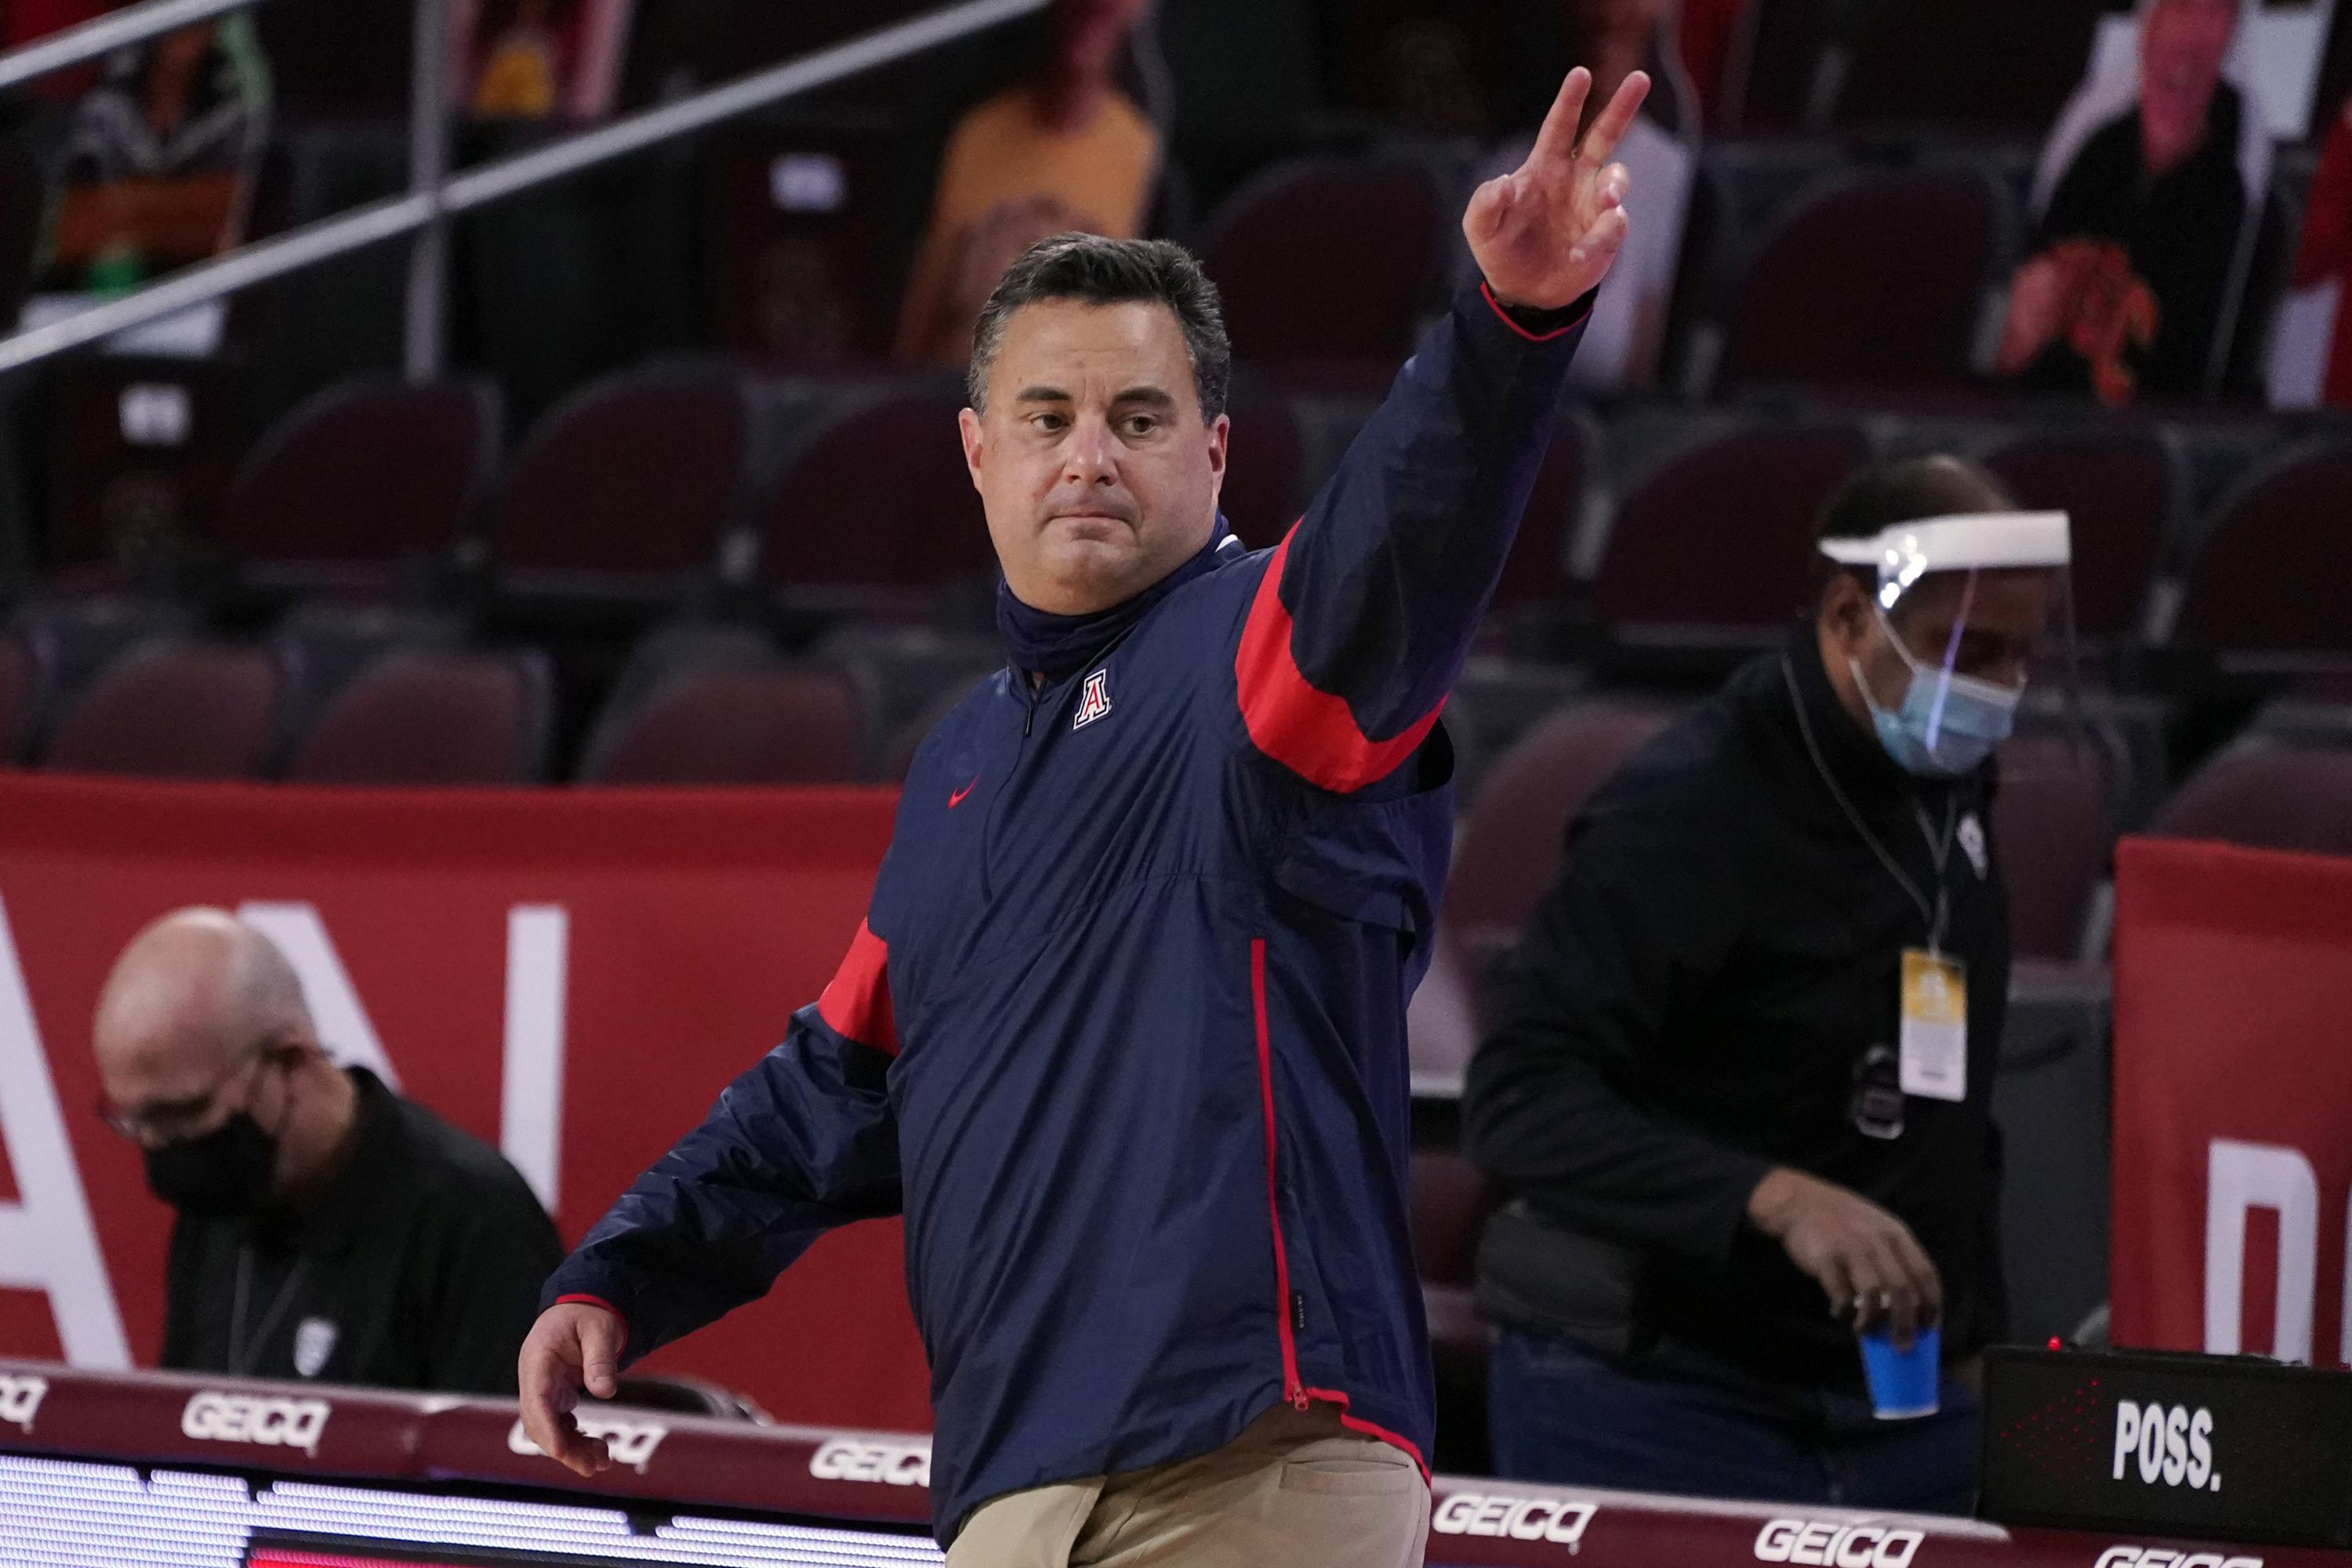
1732 1132
328 1228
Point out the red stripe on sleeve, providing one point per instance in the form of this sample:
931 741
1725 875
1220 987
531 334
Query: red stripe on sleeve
857 1003
1307 730
597 1302
1532 337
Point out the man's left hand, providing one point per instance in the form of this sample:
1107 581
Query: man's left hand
1547 234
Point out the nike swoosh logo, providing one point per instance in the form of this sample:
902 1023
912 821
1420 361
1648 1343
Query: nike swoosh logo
957 799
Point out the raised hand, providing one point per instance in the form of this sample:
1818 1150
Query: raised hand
1547 233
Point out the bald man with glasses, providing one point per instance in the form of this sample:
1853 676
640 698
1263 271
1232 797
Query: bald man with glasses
328 1228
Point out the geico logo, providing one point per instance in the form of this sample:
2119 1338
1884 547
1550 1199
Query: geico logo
630 1443
20 1400
1820 1545
1517 1517
256 1418
2174 1445
2170 1557
891 1464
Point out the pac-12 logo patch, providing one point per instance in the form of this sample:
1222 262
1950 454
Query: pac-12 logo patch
1972 840
1093 702
314 1341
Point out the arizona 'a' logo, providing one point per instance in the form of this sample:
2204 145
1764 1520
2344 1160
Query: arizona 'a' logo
1094 701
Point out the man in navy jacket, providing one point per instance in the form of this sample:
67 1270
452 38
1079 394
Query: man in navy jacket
1122 1035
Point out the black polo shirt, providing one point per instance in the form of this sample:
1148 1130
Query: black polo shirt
419 1267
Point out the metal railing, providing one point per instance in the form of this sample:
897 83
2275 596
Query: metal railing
435 194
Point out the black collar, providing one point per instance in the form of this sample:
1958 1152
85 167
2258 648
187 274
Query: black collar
331 1221
1058 647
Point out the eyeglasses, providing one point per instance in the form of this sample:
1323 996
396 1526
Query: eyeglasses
169 1120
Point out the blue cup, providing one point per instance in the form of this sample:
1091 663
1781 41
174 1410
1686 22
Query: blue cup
1903 1384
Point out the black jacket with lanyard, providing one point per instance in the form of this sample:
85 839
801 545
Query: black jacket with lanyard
1712 990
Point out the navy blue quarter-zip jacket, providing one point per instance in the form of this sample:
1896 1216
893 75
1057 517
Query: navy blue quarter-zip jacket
1123 1033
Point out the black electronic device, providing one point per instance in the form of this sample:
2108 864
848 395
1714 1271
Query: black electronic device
2221 1447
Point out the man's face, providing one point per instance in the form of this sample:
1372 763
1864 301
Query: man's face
1094 465
1998 617
179 1081
2182 44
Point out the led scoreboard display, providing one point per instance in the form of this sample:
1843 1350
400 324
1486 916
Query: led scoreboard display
2230 1447
154 1470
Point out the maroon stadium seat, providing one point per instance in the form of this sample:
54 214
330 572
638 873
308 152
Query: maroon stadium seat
898 752
1287 309
26 673
1722 532
176 708
1773 79
2269 574
1446 1015
1875 283
875 507
1537 565
2055 822
1989 67
1511 842
419 718
2267 793
626 485
360 477
341 62
2123 488
768 722
1263 472
1450 1198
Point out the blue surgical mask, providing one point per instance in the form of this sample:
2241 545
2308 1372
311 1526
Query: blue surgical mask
1947 725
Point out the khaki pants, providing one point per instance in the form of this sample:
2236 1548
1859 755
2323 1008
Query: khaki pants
1296 1489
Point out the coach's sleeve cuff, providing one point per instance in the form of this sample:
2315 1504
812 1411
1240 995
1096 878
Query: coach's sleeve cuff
1541 326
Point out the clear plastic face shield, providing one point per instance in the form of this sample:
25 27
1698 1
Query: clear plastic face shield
1970 606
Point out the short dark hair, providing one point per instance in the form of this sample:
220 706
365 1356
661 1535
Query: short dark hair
1904 490
1099 271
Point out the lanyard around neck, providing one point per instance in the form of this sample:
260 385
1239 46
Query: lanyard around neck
1937 912
243 1352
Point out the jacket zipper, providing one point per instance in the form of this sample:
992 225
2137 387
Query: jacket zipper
1289 1305
996 796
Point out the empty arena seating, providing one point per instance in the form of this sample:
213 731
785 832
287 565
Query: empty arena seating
874 511
1450 1199
2054 821
1721 533
1990 67
433 718
1536 571
174 708
363 479
2123 488
1266 462
1288 310
2268 791
24 678
1875 283
1512 837
626 487
720 707
2268 575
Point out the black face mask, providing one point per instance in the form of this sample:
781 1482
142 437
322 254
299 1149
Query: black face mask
225 1171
